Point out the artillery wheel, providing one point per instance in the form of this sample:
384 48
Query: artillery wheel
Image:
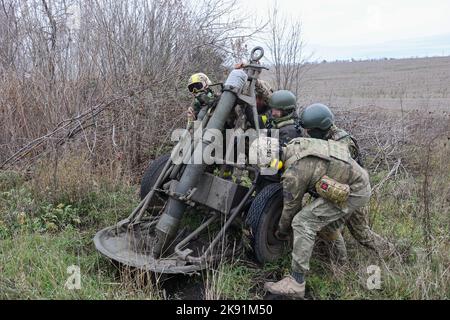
151 174
262 219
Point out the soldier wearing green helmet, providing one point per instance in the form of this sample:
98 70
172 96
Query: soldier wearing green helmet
318 122
342 186
282 105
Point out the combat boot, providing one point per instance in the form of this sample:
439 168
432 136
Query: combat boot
288 286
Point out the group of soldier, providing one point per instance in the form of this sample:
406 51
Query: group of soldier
317 158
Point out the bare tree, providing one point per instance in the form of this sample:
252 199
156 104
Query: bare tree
286 47
61 59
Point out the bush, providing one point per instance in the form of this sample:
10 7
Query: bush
10 180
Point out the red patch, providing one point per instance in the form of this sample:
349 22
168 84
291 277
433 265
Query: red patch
324 186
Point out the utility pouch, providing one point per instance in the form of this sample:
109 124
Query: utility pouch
332 190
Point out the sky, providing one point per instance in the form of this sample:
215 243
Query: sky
365 29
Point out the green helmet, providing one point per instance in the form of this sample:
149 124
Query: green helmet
283 100
316 116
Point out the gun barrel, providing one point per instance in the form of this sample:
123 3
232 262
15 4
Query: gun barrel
168 223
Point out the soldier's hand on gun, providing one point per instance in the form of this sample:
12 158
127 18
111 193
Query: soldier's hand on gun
240 65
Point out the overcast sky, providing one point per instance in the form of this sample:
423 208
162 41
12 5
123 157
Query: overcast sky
342 29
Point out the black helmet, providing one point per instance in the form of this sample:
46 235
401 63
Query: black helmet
317 116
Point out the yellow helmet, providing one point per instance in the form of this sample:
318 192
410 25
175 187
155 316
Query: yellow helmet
198 82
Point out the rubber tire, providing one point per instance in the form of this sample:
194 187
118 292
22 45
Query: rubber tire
262 219
150 176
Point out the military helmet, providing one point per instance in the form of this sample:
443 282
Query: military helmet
316 116
198 82
283 100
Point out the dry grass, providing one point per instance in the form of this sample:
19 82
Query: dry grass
414 84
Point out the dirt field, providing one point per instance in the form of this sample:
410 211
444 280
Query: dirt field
389 84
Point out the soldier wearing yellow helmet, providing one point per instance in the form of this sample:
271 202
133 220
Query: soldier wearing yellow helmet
199 85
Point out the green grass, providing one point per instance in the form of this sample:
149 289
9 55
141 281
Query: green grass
396 214
46 228
230 281
35 266
41 239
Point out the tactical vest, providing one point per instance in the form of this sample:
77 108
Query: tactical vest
338 134
335 153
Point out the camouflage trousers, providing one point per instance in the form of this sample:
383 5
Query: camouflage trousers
321 215
331 237
359 228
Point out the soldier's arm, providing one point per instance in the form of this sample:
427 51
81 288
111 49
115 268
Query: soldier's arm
296 181
354 151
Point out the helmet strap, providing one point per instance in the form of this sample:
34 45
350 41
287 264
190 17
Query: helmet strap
286 115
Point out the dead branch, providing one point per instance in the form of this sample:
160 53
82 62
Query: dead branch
391 173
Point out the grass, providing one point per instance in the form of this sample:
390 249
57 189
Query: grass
35 266
42 234
397 213
45 227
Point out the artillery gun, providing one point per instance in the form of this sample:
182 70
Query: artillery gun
151 237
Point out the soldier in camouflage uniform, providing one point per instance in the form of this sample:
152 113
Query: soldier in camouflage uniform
283 117
199 85
318 121
263 92
320 166
204 96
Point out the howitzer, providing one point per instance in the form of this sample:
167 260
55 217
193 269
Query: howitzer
151 239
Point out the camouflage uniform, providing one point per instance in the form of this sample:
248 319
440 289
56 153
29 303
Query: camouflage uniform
337 134
263 91
357 223
209 98
306 162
